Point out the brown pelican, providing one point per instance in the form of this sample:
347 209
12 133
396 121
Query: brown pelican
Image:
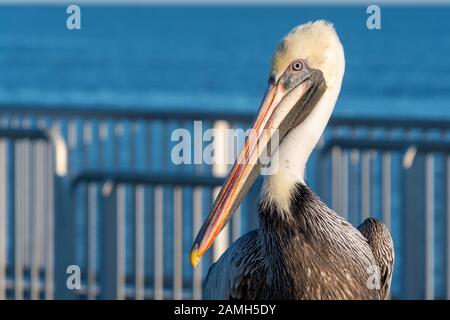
303 249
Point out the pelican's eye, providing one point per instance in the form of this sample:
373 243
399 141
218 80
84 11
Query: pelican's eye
297 65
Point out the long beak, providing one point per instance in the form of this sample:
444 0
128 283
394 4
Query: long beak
274 108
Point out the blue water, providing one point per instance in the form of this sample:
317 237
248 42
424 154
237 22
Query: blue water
196 57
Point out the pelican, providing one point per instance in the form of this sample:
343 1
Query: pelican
302 249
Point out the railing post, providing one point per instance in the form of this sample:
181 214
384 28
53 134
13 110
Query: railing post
109 243
64 239
413 229
445 229
64 222
3 215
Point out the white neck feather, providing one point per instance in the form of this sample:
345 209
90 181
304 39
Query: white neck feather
296 148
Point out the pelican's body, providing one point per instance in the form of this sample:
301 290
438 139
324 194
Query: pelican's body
316 255
303 250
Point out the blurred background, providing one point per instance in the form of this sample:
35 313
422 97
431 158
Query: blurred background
86 117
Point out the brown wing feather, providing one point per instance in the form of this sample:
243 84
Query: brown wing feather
379 238
236 275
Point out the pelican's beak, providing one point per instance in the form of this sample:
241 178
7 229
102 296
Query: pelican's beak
283 107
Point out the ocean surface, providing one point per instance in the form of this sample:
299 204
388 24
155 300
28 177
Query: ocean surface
217 57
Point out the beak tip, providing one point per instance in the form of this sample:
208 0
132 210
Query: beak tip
195 257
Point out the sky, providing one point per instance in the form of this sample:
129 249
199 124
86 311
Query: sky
224 2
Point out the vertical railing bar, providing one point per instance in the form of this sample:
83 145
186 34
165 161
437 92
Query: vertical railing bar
118 138
83 198
26 198
345 194
87 132
447 229
365 185
336 174
164 146
102 138
3 121
40 194
110 241
387 186
18 222
3 219
429 228
35 264
26 217
26 121
134 130
72 134
353 188
140 243
197 221
50 159
148 137
178 243
92 241
26 211
121 207
15 122
87 137
45 215
23 215
159 258
40 208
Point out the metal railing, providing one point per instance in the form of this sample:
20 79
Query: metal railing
27 168
127 215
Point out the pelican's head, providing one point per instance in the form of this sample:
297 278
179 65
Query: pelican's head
308 62
315 44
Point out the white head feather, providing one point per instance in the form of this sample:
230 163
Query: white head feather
315 42
318 44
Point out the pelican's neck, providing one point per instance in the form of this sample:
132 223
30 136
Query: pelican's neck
294 151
